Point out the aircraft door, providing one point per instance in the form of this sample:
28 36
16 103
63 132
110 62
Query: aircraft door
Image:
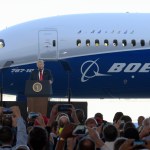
48 44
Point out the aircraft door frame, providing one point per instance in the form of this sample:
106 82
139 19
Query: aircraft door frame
48 45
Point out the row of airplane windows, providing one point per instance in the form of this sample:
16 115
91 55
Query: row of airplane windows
97 43
115 42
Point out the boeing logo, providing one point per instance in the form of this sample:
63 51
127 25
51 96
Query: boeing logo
129 68
90 69
90 66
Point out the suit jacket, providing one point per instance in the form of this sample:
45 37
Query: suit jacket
46 76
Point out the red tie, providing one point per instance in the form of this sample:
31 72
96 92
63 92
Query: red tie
41 75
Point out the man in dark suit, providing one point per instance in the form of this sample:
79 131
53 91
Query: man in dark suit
40 74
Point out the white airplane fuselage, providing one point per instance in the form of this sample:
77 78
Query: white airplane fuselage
105 55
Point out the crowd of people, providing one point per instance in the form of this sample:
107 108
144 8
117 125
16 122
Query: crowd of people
68 129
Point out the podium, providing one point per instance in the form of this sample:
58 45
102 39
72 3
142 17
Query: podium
38 94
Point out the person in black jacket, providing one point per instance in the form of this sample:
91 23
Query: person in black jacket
41 73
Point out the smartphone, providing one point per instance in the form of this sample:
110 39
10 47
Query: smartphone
7 111
122 122
33 115
138 142
80 130
64 107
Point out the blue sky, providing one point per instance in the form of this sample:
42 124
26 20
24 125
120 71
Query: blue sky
17 11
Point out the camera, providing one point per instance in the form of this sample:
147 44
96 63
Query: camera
7 111
80 130
33 115
64 107
138 143
7 117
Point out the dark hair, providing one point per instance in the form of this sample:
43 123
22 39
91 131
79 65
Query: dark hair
38 138
131 133
80 115
117 116
126 119
6 134
98 115
86 144
110 133
118 143
128 125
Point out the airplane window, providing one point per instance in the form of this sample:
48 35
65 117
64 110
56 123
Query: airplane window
115 42
133 42
87 42
78 43
142 43
106 43
96 42
124 43
2 43
54 43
